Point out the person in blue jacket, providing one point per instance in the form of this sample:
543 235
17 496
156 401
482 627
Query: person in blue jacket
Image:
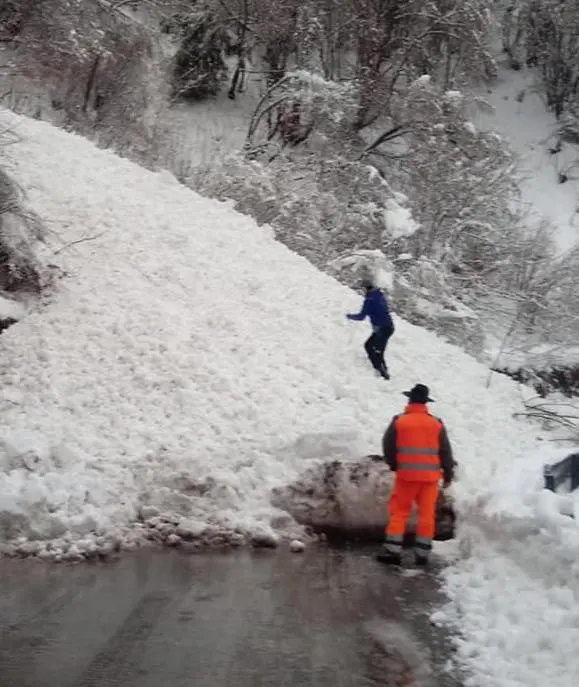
376 308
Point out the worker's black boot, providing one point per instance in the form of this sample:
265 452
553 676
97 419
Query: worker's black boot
421 561
385 555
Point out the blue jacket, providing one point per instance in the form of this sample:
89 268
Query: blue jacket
376 308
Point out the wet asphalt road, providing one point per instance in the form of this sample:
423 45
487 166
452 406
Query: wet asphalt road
324 618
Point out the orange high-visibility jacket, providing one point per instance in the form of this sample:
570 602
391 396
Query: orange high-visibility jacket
416 446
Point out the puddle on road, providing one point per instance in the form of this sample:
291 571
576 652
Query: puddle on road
326 617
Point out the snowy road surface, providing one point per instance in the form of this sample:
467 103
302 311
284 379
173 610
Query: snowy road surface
268 618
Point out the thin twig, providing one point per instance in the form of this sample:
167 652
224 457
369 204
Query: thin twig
74 243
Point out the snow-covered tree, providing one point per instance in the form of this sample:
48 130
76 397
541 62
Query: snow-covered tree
200 69
299 105
397 41
545 34
459 180
376 44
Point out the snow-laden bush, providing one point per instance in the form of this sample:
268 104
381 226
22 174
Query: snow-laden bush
22 274
300 107
559 314
20 232
346 220
428 298
551 311
460 182
355 266
254 188
302 175
321 208
530 309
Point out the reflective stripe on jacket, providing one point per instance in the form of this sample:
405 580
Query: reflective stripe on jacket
417 438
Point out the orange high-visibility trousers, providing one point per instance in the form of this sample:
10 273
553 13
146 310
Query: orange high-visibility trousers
404 494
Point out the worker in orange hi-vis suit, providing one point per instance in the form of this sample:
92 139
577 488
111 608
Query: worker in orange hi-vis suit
417 448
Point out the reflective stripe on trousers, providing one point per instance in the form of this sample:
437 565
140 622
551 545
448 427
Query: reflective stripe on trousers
422 546
393 543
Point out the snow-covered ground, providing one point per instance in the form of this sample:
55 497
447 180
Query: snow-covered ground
519 114
10 309
515 589
190 362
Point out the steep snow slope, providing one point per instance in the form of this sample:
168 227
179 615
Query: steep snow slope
186 351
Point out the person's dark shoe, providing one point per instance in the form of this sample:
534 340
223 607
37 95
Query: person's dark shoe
421 561
389 557
383 372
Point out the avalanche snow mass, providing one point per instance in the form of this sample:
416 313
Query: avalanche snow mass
185 345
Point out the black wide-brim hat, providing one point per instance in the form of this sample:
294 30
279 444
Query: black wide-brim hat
419 393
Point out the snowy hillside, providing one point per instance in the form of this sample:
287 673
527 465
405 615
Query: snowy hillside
190 362
519 115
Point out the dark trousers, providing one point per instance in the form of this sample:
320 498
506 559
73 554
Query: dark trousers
375 347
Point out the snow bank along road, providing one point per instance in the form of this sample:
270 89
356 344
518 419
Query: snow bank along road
188 363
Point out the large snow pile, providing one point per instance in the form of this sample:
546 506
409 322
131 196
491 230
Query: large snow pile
187 355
